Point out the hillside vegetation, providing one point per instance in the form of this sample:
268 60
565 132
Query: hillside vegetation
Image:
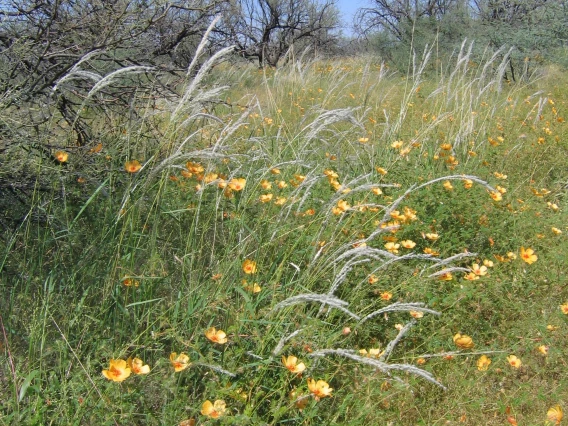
402 236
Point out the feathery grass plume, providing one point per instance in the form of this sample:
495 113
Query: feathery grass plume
379 365
392 344
215 368
324 299
400 306
278 348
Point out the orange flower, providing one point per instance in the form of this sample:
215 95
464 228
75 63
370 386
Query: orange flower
373 279
555 414
249 267
213 410
319 389
137 366
132 166
471 276
118 370
61 156
386 295
217 336
180 362
416 314
446 276
237 184
483 363
463 341
467 183
291 363
514 361
528 255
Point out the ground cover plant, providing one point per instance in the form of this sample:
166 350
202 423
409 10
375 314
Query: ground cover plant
330 242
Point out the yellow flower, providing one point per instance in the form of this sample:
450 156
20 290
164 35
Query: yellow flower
479 270
463 341
373 279
555 414
118 370
496 195
528 255
180 362
363 140
500 175
511 255
431 251
291 363
488 263
552 206
556 231
446 276
237 184
213 410
137 366
377 191
249 266
381 170
216 336
564 308
281 184
343 205
61 156
386 295
132 166
280 201
467 183
210 177
392 247
543 349
330 174
514 361
471 276
416 314
432 236
265 184
483 363
275 171
448 185
408 244
253 288
319 389
446 147
551 327
397 144
265 198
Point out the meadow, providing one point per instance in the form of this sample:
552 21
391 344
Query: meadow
329 242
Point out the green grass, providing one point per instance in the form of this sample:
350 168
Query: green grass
67 310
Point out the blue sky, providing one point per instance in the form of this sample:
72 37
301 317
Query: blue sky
348 9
